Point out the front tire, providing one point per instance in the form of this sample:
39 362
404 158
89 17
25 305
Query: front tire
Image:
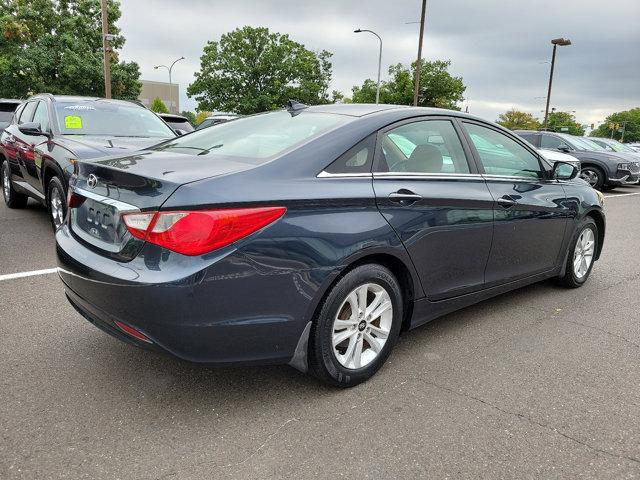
56 202
581 257
357 326
12 198
594 176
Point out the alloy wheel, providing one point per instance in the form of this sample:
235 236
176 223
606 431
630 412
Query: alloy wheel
583 253
590 176
362 325
57 209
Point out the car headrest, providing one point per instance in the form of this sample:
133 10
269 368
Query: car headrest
425 159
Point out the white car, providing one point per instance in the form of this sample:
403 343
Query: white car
553 156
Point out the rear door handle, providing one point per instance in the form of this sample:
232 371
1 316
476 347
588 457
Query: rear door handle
506 201
404 197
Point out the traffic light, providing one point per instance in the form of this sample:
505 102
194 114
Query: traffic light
611 125
593 125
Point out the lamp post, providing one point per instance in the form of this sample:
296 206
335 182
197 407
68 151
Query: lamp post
555 42
379 60
169 69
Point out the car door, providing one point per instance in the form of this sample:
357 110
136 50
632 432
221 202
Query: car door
23 144
428 188
36 149
530 210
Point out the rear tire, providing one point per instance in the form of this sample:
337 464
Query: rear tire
581 257
357 325
56 202
12 198
594 176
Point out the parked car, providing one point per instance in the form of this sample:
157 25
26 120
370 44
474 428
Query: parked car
612 145
217 118
313 236
180 124
601 169
48 134
634 146
7 107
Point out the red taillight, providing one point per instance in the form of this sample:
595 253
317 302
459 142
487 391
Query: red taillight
73 200
132 331
199 231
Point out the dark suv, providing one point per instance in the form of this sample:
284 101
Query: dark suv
48 134
602 169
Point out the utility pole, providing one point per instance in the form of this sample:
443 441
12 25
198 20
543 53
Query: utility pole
416 85
106 50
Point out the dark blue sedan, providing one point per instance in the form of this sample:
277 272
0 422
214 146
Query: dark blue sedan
315 236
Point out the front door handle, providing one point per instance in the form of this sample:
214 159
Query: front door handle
404 197
506 201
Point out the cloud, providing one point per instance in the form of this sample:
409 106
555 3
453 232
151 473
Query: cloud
499 47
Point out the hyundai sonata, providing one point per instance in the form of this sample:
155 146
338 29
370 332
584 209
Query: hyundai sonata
315 236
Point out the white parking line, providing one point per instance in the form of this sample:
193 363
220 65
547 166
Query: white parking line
622 195
11 276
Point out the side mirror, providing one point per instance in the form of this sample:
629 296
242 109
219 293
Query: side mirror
564 171
563 147
32 128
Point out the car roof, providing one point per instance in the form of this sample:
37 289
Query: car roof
78 98
172 116
10 100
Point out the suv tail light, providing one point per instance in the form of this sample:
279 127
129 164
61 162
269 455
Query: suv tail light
199 231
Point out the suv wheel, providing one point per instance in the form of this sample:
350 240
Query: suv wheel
581 256
12 198
57 203
593 176
357 326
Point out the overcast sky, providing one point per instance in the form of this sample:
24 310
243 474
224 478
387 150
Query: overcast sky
501 48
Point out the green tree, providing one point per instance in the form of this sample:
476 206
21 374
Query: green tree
438 88
516 120
189 116
254 70
56 46
631 127
564 122
158 106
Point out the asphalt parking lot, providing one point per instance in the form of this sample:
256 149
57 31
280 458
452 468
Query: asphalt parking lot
538 383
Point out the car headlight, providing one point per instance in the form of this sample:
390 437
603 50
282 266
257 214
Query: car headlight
624 166
600 197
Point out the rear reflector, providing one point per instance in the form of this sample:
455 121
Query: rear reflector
199 231
132 331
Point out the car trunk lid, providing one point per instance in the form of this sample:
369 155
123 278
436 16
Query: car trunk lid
102 190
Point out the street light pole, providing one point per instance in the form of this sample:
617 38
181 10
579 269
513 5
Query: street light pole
106 52
555 42
416 75
169 69
379 60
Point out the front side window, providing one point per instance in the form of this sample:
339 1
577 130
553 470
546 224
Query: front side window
551 142
114 119
27 112
429 146
256 137
500 155
42 116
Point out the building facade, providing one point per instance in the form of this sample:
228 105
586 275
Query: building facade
168 93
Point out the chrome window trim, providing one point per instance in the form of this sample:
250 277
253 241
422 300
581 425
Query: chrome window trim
324 174
510 178
431 176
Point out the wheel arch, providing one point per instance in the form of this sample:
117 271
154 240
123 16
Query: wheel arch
49 171
598 217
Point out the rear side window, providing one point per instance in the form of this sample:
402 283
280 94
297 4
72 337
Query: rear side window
27 112
429 146
357 159
501 155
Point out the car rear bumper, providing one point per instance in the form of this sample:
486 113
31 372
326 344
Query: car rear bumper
216 309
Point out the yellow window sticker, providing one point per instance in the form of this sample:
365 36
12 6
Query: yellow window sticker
72 122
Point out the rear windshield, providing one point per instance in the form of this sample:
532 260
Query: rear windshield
183 125
109 118
259 136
